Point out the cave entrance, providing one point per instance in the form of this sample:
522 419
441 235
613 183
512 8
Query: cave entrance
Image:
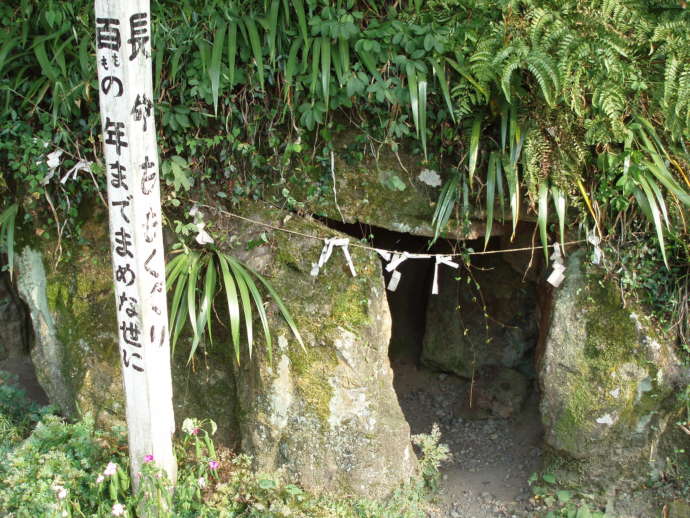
16 367
465 360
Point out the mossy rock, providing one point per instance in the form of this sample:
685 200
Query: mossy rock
609 377
387 190
327 413
75 346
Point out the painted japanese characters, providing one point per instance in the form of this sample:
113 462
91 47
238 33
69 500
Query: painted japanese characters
123 53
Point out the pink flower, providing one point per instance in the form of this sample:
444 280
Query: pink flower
196 431
118 509
110 469
213 464
99 479
148 458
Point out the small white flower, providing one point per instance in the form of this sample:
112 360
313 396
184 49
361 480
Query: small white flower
118 509
110 469
201 482
100 479
62 493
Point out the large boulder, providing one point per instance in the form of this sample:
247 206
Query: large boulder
609 377
327 413
467 329
391 190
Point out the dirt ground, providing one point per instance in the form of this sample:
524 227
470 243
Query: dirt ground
492 457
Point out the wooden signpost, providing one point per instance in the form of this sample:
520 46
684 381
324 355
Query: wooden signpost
123 54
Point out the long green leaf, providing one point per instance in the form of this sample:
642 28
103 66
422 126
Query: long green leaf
474 147
232 52
291 65
653 210
259 305
281 306
216 61
490 195
206 301
412 86
559 201
233 304
191 290
325 67
316 55
255 43
246 303
301 19
273 29
542 218
444 206
441 75
422 85
344 54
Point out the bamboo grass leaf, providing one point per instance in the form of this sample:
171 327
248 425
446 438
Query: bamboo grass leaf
301 19
216 62
654 212
413 88
500 188
232 52
490 195
344 52
422 85
542 217
273 29
444 207
255 43
316 55
474 147
325 67
441 75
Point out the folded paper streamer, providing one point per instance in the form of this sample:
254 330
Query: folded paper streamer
558 273
327 250
441 259
595 241
395 260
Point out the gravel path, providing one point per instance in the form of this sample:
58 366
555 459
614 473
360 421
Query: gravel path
492 458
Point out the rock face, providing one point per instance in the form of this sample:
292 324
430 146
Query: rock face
75 349
462 336
608 378
392 190
329 413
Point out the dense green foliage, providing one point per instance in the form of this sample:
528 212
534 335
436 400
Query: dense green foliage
55 469
580 109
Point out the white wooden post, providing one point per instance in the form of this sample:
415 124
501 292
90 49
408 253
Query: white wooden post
123 53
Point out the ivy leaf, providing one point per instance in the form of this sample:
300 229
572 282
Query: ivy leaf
176 171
